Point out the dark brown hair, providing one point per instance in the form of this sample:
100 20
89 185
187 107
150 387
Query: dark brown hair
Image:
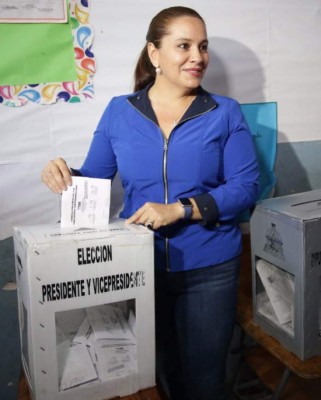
158 28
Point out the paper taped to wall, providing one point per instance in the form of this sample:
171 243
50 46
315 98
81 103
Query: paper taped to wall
32 11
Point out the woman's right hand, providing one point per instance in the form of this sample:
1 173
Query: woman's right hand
56 175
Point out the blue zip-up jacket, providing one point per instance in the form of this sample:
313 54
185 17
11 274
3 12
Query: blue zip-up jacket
209 156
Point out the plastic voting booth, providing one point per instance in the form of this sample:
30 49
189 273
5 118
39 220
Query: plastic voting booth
262 121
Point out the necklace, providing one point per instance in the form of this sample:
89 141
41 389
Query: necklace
176 120
161 112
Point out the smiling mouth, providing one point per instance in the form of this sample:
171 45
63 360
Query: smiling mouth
194 71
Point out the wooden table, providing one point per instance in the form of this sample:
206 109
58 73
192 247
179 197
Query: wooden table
310 368
147 394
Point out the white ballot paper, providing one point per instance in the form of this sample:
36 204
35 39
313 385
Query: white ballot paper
109 322
86 203
115 358
279 287
78 369
264 307
95 344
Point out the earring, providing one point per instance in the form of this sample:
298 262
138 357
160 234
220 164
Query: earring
157 70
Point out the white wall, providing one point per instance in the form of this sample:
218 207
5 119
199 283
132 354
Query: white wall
261 50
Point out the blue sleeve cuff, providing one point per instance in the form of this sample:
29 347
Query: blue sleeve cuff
75 172
208 209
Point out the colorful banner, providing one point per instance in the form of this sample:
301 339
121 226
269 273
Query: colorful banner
73 89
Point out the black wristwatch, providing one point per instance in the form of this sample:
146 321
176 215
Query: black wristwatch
186 203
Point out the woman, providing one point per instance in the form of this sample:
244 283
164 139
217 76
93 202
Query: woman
188 167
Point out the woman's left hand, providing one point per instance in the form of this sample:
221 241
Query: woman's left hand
156 215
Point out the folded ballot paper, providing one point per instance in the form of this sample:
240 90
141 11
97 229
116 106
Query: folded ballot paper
95 344
86 203
279 288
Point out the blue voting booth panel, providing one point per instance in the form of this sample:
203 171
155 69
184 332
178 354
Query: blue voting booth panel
262 121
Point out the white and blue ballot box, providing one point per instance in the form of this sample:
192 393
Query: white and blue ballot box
286 270
86 310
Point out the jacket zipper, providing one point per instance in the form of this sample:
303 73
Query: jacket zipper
165 149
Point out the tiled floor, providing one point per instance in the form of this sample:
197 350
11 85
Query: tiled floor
9 331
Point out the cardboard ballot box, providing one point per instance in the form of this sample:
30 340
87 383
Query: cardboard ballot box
286 270
86 309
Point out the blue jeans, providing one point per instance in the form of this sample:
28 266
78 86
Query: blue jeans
195 316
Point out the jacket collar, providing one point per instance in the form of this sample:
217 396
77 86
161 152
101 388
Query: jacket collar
203 103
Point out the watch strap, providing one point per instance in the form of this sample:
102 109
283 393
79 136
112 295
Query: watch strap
188 212
188 207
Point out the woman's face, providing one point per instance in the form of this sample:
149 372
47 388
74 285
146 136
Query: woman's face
183 55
